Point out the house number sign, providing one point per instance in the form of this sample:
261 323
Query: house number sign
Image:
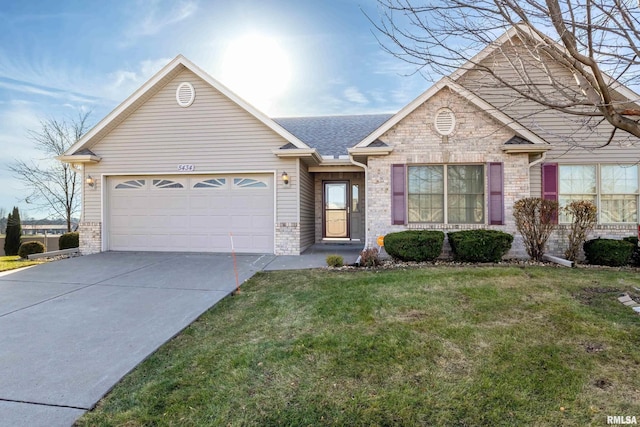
186 168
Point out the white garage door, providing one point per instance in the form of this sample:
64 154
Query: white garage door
191 213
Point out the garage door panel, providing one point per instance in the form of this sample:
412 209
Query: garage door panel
157 216
262 221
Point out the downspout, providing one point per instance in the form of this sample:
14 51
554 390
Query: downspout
366 198
542 158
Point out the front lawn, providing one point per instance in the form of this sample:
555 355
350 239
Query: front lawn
434 346
13 262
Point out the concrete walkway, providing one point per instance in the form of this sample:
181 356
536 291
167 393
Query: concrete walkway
315 257
71 329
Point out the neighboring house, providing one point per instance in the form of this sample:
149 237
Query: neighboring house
184 163
43 229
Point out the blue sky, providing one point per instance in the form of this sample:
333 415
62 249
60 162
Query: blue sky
60 58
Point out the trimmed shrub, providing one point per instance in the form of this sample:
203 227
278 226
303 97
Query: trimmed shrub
69 240
29 248
584 216
414 245
609 252
479 245
369 258
635 257
335 261
536 219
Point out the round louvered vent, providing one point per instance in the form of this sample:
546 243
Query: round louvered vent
445 121
185 94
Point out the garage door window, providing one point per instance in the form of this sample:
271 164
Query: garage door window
133 184
249 183
166 183
212 183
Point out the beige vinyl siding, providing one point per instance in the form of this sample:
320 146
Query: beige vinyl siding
535 180
214 134
307 208
572 141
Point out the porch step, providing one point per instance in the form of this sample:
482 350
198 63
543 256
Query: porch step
325 247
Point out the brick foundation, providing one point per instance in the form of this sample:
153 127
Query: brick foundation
90 237
287 238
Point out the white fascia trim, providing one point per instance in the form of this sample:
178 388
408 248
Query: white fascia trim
474 99
244 104
83 158
515 30
125 104
401 114
488 50
204 172
495 113
525 148
335 168
177 61
289 153
370 151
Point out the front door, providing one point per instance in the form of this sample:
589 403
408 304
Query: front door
336 209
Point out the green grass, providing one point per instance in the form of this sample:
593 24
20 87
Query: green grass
13 262
436 346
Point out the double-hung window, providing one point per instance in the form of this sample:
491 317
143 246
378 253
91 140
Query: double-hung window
612 188
619 193
451 194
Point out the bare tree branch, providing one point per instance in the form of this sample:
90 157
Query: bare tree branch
567 56
52 185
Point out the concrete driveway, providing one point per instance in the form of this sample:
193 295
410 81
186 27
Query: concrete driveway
71 329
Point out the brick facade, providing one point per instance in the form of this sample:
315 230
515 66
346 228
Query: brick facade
90 237
287 238
477 139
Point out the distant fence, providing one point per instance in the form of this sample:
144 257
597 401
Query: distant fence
51 243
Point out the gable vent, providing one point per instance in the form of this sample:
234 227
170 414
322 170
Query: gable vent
445 121
185 94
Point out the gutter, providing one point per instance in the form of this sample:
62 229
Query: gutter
366 196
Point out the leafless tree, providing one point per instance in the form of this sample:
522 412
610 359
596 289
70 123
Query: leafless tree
3 220
52 185
571 56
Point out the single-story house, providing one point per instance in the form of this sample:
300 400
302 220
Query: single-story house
184 164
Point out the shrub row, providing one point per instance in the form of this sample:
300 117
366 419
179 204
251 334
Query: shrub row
479 245
414 245
467 245
611 252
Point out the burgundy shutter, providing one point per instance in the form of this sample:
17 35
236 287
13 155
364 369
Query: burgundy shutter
398 198
550 183
496 194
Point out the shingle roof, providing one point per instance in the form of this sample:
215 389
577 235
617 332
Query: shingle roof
333 135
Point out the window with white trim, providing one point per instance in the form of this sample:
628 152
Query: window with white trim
166 183
211 183
249 183
612 188
451 194
131 184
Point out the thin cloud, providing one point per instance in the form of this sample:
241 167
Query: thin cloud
352 94
159 16
124 82
27 88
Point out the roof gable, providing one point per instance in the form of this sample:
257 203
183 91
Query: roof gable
151 87
469 96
